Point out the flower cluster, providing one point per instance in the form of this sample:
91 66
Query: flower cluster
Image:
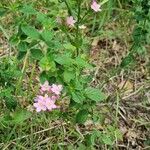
48 97
70 21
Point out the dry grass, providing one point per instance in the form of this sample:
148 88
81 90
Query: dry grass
128 103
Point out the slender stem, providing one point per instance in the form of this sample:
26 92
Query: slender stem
94 24
23 71
117 108
66 32
68 7
82 19
32 74
103 20
77 26
119 3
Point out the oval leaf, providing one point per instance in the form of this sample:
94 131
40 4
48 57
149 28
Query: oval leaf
82 116
94 94
77 97
31 32
36 54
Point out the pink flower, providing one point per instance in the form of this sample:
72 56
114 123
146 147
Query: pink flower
43 103
70 21
45 87
39 97
50 104
54 98
51 95
40 102
56 89
95 6
40 106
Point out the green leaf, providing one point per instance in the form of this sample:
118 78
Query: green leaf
69 46
107 139
46 21
82 116
36 54
6 119
31 32
80 147
14 40
22 46
21 55
47 35
78 97
68 76
10 103
118 134
2 12
78 85
47 64
78 42
90 139
20 116
94 94
141 50
28 9
41 17
128 60
82 63
43 76
64 60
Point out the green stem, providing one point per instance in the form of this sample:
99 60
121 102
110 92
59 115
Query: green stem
23 71
119 3
68 7
102 21
31 77
82 19
77 26
94 24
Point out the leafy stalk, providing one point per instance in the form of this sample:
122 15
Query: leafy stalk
77 26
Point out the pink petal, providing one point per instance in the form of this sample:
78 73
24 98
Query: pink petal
70 21
35 105
38 109
95 6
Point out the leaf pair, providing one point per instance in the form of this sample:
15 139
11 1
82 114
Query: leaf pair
89 93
